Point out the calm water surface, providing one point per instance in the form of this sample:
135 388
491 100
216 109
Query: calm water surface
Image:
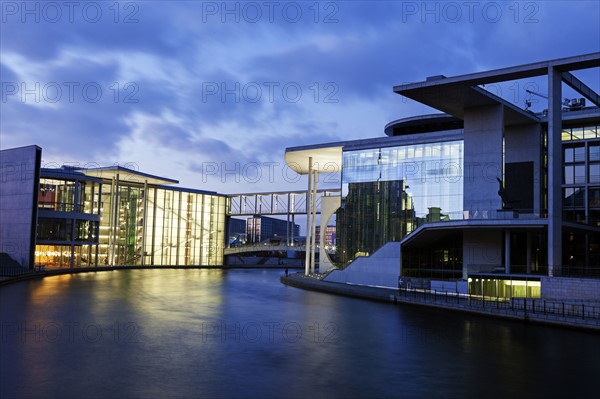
238 333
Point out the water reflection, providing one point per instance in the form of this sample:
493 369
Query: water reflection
236 333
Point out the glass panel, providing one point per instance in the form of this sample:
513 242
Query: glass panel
594 197
594 173
577 133
579 174
568 200
579 154
589 132
566 135
568 175
569 155
579 197
54 229
594 151
58 195
53 256
594 218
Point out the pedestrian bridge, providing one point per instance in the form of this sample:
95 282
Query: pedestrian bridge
265 247
275 203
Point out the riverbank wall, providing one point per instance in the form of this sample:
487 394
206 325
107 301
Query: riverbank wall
580 315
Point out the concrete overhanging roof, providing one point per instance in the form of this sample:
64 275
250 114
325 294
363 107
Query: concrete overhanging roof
128 175
586 61
327 158
452 95
452 99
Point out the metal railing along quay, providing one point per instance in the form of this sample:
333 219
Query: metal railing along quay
570 312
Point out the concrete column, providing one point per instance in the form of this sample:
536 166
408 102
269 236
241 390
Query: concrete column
99 197
483 137
154 208
178 227
110 253
507 251
292 229
313 222
329 205
555 165
287 226
308 218
528 252
144 223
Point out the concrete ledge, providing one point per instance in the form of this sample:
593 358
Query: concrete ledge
298 280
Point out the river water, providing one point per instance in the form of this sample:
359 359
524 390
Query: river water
242 334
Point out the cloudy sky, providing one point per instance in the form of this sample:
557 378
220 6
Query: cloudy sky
211 93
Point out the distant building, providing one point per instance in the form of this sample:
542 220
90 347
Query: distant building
237 231
330 236
261 228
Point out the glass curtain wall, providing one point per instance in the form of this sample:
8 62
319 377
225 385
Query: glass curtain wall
67 233
388 192
581 199
184 228
166 227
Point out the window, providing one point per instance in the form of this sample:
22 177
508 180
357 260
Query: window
594 153
594 173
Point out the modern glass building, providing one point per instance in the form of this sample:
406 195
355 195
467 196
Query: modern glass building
112 216
486 192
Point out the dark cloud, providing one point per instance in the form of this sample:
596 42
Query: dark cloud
168 58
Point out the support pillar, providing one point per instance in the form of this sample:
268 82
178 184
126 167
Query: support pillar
308 218
528 264
313 222
507 251
287 229
145 214
555 166
292 229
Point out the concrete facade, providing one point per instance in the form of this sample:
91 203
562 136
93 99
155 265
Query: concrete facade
380 269
19 174
570 289
483 134
522 143
481 252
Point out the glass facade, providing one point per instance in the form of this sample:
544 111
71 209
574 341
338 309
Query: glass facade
490 287
68 220
388 192
581 174
581 199
85 221
373 213
184 228
441 259
165 227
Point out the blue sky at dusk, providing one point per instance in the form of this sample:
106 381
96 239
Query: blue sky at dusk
211 93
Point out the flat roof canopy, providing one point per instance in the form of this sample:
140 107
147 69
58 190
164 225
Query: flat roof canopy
128 175
326 159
